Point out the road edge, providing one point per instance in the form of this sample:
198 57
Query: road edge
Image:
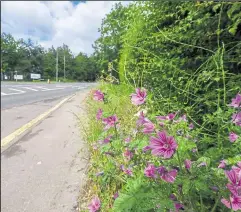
9 140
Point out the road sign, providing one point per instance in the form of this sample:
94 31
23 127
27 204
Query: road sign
35 76
18 77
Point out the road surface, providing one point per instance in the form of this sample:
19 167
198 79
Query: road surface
44 171
16 93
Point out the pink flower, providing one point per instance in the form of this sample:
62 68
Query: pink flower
173 197
188 164
162 124
233 177
116 195
202 164
128 171
239 164
161 118
236 118
233 137
235 190
234 202
98 96
94 205
141 119
168 176
178 206
191 126
139 97
110 122
128 154
150 171
99 114
183 118
128 139
170 116
236 102
107 139
222 164
163 145
149 127
146 148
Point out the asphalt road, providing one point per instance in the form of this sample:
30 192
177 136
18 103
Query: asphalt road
17 93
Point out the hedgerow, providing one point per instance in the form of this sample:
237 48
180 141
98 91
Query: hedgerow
187 57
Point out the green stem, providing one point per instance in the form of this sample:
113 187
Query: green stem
116 135
216 203
179 161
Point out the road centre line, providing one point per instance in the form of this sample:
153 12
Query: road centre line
20 91
47 89
29 88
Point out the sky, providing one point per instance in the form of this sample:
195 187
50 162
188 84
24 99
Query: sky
50 23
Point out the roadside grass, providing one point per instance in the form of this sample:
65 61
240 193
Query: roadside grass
121 181
117 102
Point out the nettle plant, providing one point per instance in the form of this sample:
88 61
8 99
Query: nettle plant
164 163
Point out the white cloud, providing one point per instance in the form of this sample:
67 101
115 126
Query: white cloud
55 22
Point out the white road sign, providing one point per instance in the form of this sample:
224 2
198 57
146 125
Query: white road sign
19 77
35 76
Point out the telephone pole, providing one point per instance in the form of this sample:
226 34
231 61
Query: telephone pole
57 66
64 65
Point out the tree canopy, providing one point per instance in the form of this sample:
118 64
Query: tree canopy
25 57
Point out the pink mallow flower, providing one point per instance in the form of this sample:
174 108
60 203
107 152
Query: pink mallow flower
128 154
188 164
116 195
183 118
236 119
168 176
128 171
236 102
139 97
178 206
191 126
146 148
107 139
98 95
163 145
110 122
169 116
149 127
141 119
233 137
234 203
150 171
128 139
94 205
222 164
234 177
99 114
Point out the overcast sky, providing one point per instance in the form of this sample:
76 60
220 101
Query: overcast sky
56 22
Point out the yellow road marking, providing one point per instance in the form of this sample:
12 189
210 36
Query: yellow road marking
27 126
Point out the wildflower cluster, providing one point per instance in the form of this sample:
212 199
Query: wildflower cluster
165 152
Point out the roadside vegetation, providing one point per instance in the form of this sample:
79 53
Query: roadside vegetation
164 126
26 57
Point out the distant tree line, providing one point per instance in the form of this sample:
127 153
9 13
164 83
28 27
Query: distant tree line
26 57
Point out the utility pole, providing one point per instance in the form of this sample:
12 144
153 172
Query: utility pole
57 66
64 64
